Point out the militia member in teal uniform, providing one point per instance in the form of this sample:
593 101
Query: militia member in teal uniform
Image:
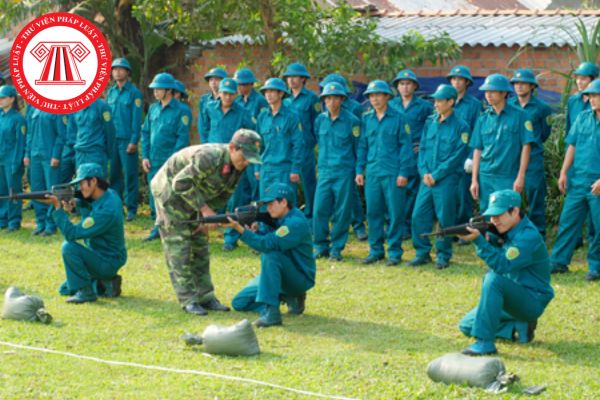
385 157
43 148
338 131
67 160
254 103
518 283
582 188
101 230
213 77
501 141
224 118
13 130
415 112
467 108
539 113
585 73
307 106
358 213
95 138
166 130
443 147
197 180
181 95
283 141
126 104
287 267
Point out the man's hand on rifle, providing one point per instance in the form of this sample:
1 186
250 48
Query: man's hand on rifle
206 211
471 236
233 224
52 200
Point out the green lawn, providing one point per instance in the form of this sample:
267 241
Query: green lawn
368 332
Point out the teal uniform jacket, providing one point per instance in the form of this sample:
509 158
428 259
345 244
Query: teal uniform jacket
443 146
307 107
539 114
254 104
13 131
580 201
95 129
384 147
126 105
338 143
468 109
292 238
45 136
205 100
101 226
575 106
522 258
221 127
415 114
165 131
353 106
186 110
500 139
283 140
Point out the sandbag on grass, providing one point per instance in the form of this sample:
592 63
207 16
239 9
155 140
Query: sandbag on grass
22 307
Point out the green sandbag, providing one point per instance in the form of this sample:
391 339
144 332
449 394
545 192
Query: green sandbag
236 340
457 368
22 307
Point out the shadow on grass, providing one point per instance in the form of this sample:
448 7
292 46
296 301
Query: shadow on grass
369 336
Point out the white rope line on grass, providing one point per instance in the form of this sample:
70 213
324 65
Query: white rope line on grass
175 370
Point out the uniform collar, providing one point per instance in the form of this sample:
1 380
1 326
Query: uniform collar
125 87
517 228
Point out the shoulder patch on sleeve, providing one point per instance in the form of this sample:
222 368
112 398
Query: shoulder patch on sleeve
254 120
529 125
282 231
88 223
23 129
512 253
65 120
106 116
549 119
185 120
138 103
317 107
464 137
300 126
407 128
356 131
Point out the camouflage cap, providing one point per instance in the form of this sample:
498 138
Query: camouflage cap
249 141
279 190
88 170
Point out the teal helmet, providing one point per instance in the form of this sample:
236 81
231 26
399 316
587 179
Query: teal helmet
593 88
88 170
496 82
228 85
445 92
121 63
460 71
335 78
296 69
180 87
215 73
8 91
525 75
163 80
378 86
587 69
275 84
405 74
244 76
334 89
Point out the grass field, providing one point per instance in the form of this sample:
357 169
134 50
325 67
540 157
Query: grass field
368 332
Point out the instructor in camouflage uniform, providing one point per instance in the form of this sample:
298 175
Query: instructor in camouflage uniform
198 180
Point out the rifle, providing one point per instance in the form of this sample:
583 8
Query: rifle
245 215
478 223
63 192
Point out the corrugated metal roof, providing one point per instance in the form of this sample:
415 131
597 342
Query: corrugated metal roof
478 27
489 30
5 46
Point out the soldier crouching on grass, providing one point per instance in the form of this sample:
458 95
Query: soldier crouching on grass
101 228
287 264
198 180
